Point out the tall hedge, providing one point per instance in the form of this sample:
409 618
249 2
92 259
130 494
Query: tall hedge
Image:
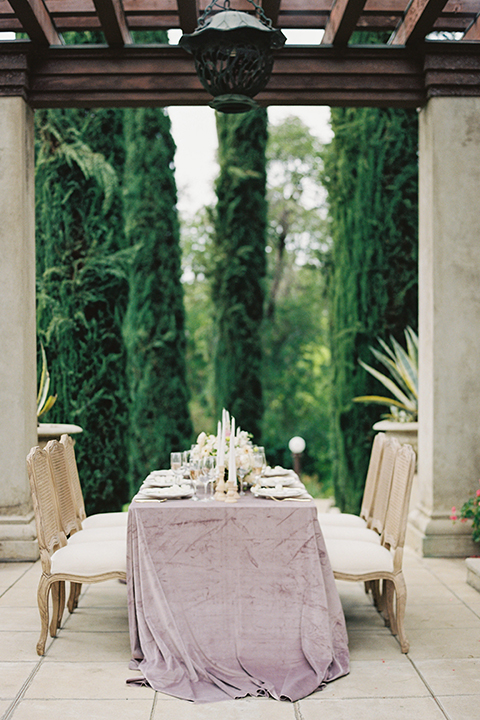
238 283
154 329
371 178
82 293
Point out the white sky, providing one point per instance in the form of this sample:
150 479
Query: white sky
193 129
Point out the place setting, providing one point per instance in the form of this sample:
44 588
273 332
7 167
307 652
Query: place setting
224 467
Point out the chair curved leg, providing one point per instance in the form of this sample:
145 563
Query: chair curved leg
401 602
58 598
75 589
389 593
61 602
42 600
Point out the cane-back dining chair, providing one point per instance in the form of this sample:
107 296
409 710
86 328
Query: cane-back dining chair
70 522
86 562
98 519
356 560
362 520
378 507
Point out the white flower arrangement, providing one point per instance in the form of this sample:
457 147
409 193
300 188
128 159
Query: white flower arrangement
207 445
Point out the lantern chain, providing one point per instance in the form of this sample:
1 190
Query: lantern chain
225 5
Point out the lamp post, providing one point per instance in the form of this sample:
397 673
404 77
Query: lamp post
296 446
233 53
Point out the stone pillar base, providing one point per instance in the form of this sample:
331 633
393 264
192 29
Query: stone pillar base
437 536
18 538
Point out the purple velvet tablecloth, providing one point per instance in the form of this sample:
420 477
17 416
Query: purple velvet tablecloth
226 601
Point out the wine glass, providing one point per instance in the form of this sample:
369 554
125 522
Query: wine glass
242 470
207 473
176 466
259 464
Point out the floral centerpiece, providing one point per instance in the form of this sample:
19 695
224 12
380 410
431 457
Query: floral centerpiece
207 444
470 510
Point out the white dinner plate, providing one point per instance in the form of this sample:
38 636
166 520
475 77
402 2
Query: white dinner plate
279 493
159 478
285 480
160 493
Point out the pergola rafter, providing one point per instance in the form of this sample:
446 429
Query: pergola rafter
417 22
36 21
404 72
342 21
113 22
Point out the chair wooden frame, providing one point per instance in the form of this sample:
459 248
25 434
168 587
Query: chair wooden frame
370 491
80 563
389 554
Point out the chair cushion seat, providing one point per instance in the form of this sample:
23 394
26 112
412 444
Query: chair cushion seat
344 532
99 534
343 519
356 557
93 558
105 520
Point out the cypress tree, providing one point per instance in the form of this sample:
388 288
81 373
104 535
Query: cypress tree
371 177
238 283
154 326
81 295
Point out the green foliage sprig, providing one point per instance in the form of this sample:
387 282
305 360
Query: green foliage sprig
403 367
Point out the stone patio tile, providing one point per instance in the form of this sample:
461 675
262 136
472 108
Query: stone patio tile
13 675
95 619
19 618
420 576
4 706
85 680
129 709
459 676
375 678
437 643
111 593
11 572
465 592
363 617
461 707
365 645
244 709
421 708
19 597
432 593
440 616
19 646
84 646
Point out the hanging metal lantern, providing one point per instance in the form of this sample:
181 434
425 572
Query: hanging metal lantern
233 53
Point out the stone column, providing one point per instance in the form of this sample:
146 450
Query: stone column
17 328
449 324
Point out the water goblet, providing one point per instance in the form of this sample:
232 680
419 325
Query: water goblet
176 466
207 475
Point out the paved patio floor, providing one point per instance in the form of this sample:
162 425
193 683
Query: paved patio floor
83 672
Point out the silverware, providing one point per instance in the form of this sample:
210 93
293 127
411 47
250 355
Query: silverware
151 499
291 499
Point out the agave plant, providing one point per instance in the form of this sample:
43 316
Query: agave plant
44 400
403 367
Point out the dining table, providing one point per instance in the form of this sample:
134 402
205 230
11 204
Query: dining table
232 600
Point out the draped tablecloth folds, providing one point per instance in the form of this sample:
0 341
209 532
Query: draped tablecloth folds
226 601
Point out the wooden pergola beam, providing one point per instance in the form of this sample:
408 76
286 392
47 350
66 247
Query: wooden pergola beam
36 21
343 19
417 22
188 12
113 22
271 8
